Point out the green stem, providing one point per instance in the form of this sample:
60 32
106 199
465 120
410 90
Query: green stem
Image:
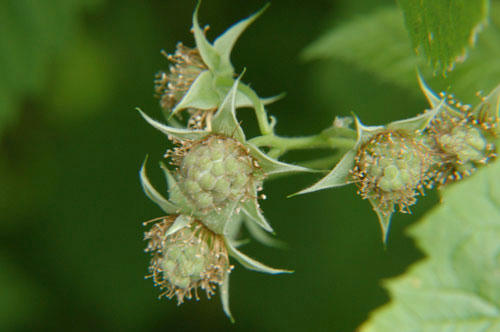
325 163
260 112
319 141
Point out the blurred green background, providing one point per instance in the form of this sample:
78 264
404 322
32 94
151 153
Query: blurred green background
71 144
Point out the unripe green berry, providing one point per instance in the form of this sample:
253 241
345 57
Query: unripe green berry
221 168
461 143
190 258
391 167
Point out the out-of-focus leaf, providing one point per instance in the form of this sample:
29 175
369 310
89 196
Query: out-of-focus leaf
457 288
378 43
20 302
443 30
375 42
32 33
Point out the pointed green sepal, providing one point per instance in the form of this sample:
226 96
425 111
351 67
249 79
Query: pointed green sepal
224 296
339 176
364 132
224 121
251 208
178 133
384 219
218 219
180 222
224 43
272 166
153 194
208 53
243 100
176 195
262 236
251 263
417 123
489 108
201 94
433 99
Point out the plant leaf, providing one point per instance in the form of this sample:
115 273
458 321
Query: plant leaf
360 41
443 30
457 287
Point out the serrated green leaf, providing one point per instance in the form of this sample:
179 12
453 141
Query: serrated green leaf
378 43
153 194
457 287
201 94
444 30
375 42
251 263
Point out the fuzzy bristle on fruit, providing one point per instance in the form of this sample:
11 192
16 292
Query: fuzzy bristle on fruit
461 141
186 65
191 258
392 168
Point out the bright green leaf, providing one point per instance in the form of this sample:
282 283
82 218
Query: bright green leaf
457 287
443 30
378 43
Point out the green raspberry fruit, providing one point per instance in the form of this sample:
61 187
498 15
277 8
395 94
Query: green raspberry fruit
190 258
461 144
391 168
216 170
